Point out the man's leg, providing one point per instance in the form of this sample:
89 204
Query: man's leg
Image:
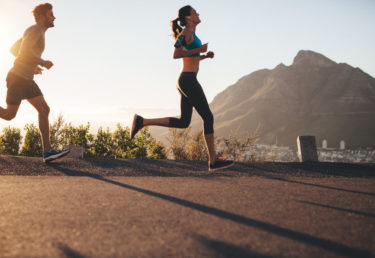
41 106
9 113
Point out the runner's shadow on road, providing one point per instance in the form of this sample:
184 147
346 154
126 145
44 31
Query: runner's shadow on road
328 245
224 249
105 171
313 169
142 167
337 208
120 163
316 185
69 252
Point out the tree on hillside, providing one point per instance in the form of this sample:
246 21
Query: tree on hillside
10 141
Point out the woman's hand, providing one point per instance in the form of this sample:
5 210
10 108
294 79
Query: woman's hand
210 54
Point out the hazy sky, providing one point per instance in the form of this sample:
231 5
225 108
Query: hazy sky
114 57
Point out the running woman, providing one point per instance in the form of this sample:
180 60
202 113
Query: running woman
20 79
188 47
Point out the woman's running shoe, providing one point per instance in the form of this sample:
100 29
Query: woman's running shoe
137 125
220 163
53 154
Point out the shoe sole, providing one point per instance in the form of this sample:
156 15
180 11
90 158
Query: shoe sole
133 126
56 156
214 169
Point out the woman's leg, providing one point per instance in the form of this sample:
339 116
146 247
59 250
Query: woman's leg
156 121
210 143
182 122
186 113
191 88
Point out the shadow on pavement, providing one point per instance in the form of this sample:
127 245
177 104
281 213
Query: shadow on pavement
338 209
310 169
68 252
223 249
113 163
316 185
265 172
328 245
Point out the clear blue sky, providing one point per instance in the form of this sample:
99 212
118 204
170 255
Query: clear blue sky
115 57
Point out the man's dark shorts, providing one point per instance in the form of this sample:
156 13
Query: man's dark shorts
19 89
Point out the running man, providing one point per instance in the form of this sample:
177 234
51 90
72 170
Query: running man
188 47
20 79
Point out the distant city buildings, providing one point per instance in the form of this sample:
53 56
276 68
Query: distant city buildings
325 144
325 154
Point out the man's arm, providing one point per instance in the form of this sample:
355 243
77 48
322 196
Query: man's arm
30 39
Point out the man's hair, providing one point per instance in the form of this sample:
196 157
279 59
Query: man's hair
41 9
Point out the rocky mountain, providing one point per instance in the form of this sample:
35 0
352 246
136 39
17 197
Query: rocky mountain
312 96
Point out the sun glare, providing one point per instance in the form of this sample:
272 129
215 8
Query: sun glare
4 38
5 55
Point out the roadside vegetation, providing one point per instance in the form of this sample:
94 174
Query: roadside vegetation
183 144
188 145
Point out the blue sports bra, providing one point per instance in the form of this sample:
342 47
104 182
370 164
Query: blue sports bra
195 44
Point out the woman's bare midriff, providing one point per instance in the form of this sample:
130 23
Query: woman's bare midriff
191 64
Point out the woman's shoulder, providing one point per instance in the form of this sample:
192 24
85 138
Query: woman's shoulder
187 32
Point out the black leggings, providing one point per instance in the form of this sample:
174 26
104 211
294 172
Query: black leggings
192 95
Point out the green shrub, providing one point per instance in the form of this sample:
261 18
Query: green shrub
103 144
32 145
10 141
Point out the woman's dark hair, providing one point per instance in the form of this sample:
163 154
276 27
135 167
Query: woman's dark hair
182 13
41 10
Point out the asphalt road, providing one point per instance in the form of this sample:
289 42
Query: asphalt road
142 208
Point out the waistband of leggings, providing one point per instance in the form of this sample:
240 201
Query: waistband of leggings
188 74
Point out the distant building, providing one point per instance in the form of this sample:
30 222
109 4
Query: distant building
342 145
324 144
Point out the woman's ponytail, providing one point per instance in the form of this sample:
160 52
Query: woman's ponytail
182 13
176 29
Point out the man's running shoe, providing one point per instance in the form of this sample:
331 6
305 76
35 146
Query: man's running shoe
137 125
220 163
53 154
